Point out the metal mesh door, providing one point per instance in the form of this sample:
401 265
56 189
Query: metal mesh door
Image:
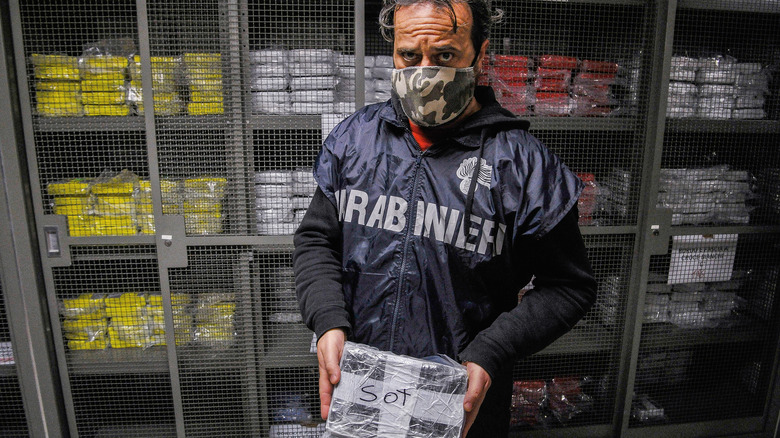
217 360
13 421
709 329
110 322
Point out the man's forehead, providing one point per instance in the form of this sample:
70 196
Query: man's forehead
407 15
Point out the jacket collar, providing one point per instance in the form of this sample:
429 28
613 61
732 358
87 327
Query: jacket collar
468 133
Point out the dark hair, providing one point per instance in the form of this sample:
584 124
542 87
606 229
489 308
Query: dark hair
483 17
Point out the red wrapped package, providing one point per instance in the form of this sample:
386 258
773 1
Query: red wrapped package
556 61
552 80
586 205
601 66
595 92
589 78
512 75
522 94
553 104
511 61
566 398
528 399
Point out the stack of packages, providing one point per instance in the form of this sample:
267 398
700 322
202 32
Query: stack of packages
103 90
182 321
144 213
171 196
609 301
691 305
509 77
269 81
313 82
552 84
769 183
303 187
379 72
273 190
715 78
215 319
592 89
646 410
129 326
57 86
752 85
202 204
284 301
115 204
617 188
682 99
85 326
166 100
529 397
203 72
368 76
72 199
586 204
345 90
710 195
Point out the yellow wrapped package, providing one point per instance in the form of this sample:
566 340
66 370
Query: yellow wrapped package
206 187
97 344
142 207
203 108
106 110
60 110
81 225
126 299
121 184
72 187
64 86
103 98
85 329
203 223
87 305
145 224
115 225
163 108
40 60
115 205
202 205
129 332
103 76
72 205
103 85
205 84
206 96
202 58
57 73
58 97
101 63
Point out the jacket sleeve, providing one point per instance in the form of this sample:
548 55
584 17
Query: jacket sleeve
564 290
317 265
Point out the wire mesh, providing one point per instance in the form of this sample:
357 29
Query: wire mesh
14 420
217 361
709 331
110 315
572 382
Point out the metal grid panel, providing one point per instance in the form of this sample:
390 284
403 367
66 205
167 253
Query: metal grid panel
293 402
708 345
110 318
217 364
14 420
573 382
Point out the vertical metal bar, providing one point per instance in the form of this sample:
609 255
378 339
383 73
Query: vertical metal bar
360 53
654 133
154 178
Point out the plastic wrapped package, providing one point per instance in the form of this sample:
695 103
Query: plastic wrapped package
87 305
103 63
682 75
205 186
312 108
273 190
749 100
276 229
268 56
749 113
684 62
306 430
344 107
64 98
566 399
107 205
269 71
103 98
683 88
304 188
369 61
557 62
215 319
274 215
346 72
312 56
383 61
72 205
529 398
207 96
552 80
312 96
345 60
753 81
553 104
716 90
274 177
382 73
301 202
421 398
599 66
55 67
106 110
203 108
60 109
680 101
724 76
266 203
313 83
203 223
313 69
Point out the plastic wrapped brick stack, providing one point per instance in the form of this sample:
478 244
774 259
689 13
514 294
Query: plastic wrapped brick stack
72 198
592 89
715 78
692 305
303 188
529 398
182 319
204 79
314 76
552 84
345 90
115 204
609 301
708 195
103 86
144 213
380 70
85 324
57 85
202 204
166 100
509 76
683 99
129 326
269 81
274 190
215 319
751 88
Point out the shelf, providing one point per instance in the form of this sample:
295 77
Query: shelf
8 370
610 230
723 126
662 335
111 240
680 230
127 123
589 339
287 121
119 361
583 123
764 6
222 239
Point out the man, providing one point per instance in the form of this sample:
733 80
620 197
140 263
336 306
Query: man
433 210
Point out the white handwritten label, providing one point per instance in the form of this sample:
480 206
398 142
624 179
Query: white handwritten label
697 259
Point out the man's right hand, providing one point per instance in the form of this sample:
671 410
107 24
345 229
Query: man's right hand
329 349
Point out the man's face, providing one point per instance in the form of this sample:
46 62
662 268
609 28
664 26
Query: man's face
424 37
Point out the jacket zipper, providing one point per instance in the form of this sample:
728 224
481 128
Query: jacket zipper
407 238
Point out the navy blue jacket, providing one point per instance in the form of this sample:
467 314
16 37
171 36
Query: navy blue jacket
392 260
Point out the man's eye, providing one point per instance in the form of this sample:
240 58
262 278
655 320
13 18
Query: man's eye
445 57
408 56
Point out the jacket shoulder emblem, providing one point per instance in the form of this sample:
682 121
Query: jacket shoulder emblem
466 171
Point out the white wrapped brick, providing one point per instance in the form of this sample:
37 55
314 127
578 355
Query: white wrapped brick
313 69
301 202
268 56
276 229
313 83
274 177
312 56
312 108
680 74
344 107
269 203
717 90
269 70
682 88
275 215
318 96
724 76
749 113
382 73
269 84
369 61
383 61
343 60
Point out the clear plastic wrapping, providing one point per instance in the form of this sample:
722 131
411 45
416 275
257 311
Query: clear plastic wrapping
384 394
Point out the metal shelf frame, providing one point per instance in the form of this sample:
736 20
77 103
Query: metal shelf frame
57 415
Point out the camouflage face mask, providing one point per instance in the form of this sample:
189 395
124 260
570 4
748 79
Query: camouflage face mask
434 95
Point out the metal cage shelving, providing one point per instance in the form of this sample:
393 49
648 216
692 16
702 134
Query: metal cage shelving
217 116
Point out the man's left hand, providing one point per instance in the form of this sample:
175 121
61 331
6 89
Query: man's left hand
479 382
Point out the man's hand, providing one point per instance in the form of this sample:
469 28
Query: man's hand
479 382
329 349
